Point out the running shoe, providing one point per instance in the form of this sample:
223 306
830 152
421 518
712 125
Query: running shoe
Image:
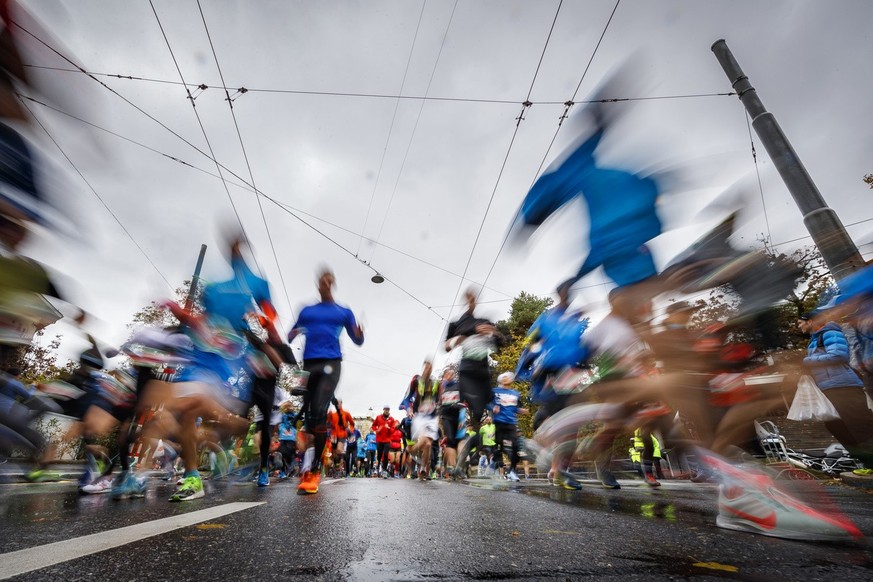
263 477
863 472
512 476
771 512
565 480
128 486
283 475
170 475
309 483
190 489
41 476
607 478
97 487
88 477
651 481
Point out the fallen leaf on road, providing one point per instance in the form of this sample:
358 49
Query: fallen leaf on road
211 526
716 566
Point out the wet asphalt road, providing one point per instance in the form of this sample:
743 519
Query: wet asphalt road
362 529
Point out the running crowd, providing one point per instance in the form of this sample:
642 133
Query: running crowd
191 389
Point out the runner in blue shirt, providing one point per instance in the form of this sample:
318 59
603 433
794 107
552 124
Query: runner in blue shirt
370 441
322 325
287 443
505 408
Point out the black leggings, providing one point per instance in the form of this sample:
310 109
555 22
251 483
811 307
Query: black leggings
351 455
382 450
475 388
324 376
263 394
288 450
450 418
506 436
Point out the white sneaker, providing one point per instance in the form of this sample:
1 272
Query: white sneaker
771 512
99 486
513 477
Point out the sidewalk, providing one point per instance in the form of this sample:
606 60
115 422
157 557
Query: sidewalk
14 472
861 481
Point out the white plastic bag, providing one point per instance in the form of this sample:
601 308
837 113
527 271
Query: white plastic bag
810 403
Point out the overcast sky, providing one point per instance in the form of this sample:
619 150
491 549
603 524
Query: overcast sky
403 184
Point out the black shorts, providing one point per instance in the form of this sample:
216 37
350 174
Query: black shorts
475 388
550 408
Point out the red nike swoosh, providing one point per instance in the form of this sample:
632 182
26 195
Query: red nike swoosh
767 522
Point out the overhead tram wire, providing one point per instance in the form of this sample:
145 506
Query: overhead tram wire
123 98
390 128
800 238
244 186
99 198
567 106
518 121
758 174
212 159
352 94
219 166
203 130
284 207
414 129
248 166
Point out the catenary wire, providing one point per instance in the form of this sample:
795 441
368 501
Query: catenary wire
282 205
249 168
567 106
382 95
758 174
390 129
96 195
414 129
203 130
519 119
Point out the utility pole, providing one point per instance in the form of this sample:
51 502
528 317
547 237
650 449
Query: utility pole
195 280
828 233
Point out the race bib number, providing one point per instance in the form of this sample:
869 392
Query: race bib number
476 347
451 398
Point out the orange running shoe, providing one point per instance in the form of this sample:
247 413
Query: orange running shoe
308 483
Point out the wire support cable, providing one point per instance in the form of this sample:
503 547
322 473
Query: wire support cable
99 198
202 129
390 128
519 119
567 106
248 166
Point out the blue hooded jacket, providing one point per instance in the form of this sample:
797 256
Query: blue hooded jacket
621 208
828 358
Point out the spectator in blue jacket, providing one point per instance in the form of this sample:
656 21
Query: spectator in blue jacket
827 360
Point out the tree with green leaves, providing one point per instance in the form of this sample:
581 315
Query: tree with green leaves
156 314
526 307
39 361
814 283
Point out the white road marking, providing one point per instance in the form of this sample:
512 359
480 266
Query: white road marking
30 559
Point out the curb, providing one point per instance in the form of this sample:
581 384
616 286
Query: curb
862 481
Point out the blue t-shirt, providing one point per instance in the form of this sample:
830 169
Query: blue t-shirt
507 401
362 448
370 441
287 430
353 437
561 333
234 298
323 323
